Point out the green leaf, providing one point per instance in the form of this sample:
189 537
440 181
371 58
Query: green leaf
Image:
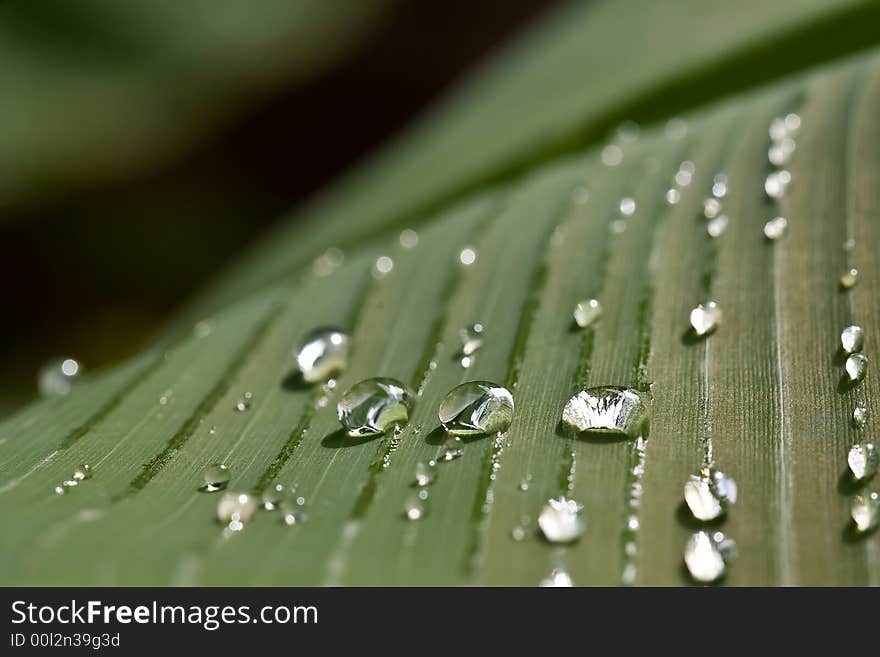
761 396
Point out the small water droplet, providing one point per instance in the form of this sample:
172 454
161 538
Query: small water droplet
717 226
202 329
708 493
775 228
471 340
414 508
560 520
848 245
409 238
292 511
453 448
477 407
467 256
860 417
863 460
580 195
327 262
606 410
374 406
673 196
849 278
70 483
524 483
557 579
719 185
235 509
852 339
57 377
426 471
383 266
216 476
856 367
518 533
82 472
617 227
780 152
705 318
675 129
586 312
706 555
711 207
865 511
273 497
59 490
627 206
322 353
776 183
612 155
244 402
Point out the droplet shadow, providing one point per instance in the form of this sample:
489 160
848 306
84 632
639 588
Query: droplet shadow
690 581
846 384
686 519
438 437
839 358
340 439
690 337
847 484
294 382
851 534
600 437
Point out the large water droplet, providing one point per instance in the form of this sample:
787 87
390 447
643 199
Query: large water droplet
560 520
323 353
477 407
586 312
865 511
606 410
236 509
557 579
706 555
849 278
775 228
863 459
852 339
856 367
708 493
705 318
374 406
58 377
216 477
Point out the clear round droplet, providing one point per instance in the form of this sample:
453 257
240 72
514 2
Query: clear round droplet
216 477
56 378
453 448
863 460
852 339
323 353
706 555
865 511
606 410
477 407
374 406
775 228
849 278
235 509
586 312
856 367
709 493
560 520
705 318
711 207
860 417
557 579
426 471
717 226
467 256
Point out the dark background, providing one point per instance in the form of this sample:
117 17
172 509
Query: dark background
92 273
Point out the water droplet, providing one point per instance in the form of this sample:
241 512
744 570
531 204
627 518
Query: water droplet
711 207
606 410
327 262
708 494
292 511
59 490
863 459
627 206
82 472
856 367
717 226
273 497
780 152
216 477
425 472
524 483
612 155
244 402
775 228
383 266
860 417
849 244
849 278
705 318
580 195
374 406
675 128
58 377
719 185
776 183
70 483
453 447
557 579
236 509
322 353
627 132
673 196
477 407
617 227
865 511
560 520
518 533
409 238
202 329
706 555
471 339
852 339
414 508
587 312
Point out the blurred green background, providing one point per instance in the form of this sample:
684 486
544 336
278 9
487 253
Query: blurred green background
143 144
